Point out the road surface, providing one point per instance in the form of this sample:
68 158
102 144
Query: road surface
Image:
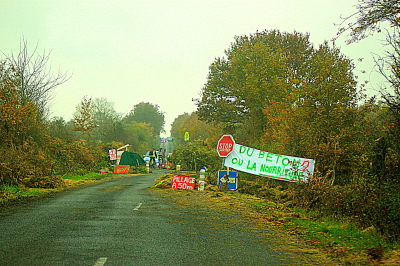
121 222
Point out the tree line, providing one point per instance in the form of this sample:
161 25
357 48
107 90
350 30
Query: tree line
276 91
38 150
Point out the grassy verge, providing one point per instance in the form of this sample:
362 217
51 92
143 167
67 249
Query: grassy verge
340 238
89 176
8 192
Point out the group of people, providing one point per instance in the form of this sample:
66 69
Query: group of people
156 156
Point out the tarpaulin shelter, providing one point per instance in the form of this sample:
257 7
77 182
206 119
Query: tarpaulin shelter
131 158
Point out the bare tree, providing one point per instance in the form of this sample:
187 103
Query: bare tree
368 18
34 80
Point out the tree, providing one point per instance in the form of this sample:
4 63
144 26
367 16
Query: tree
259 69
323 120
176 128
389 67
288 97
58 127
108 122
368 18
138 135
17 118
33 79
147 113
84 116
199 130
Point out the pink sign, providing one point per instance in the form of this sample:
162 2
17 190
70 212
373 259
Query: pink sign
113 155
183 182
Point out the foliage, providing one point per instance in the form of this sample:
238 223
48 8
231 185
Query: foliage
108 122
18 119
176 128
367 202
368 19
199 131
139 135
84 116
30 164
196 155
57 127
276 92
389 67
147 113
259 68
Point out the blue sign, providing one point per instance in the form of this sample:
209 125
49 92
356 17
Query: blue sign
232 180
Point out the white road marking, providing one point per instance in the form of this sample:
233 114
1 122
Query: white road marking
137 207
100 261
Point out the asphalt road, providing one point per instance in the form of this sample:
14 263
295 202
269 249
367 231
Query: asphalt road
121 222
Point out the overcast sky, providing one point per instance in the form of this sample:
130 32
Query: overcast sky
159 51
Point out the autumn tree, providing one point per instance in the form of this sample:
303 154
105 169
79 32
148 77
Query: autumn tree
258 69
287 97
176 128
199 130
34 79
17 117
84 116
322 122
138 135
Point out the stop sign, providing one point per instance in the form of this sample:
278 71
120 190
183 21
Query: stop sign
225 145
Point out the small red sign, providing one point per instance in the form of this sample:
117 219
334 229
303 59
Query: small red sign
183 182
121 169
225 145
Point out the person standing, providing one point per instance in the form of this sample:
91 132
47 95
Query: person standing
152 156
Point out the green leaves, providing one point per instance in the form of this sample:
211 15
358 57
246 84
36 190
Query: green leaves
147 113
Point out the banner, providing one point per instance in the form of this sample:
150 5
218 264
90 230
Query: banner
277 166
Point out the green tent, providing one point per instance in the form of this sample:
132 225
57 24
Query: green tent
131 158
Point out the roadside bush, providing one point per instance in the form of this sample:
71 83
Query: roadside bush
34 165
55 181
25 161
72 158
196 155
368 203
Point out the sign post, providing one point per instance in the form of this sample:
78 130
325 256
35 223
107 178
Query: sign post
225 146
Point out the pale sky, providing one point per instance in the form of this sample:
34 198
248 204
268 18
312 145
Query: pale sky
159 51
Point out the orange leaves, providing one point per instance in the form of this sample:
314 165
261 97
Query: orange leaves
84 116
16 119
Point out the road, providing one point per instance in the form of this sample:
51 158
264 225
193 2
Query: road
168 146
120 222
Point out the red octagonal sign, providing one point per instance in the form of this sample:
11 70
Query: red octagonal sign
225 145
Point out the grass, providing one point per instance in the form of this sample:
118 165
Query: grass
8 192
330 232
88 176
339 237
